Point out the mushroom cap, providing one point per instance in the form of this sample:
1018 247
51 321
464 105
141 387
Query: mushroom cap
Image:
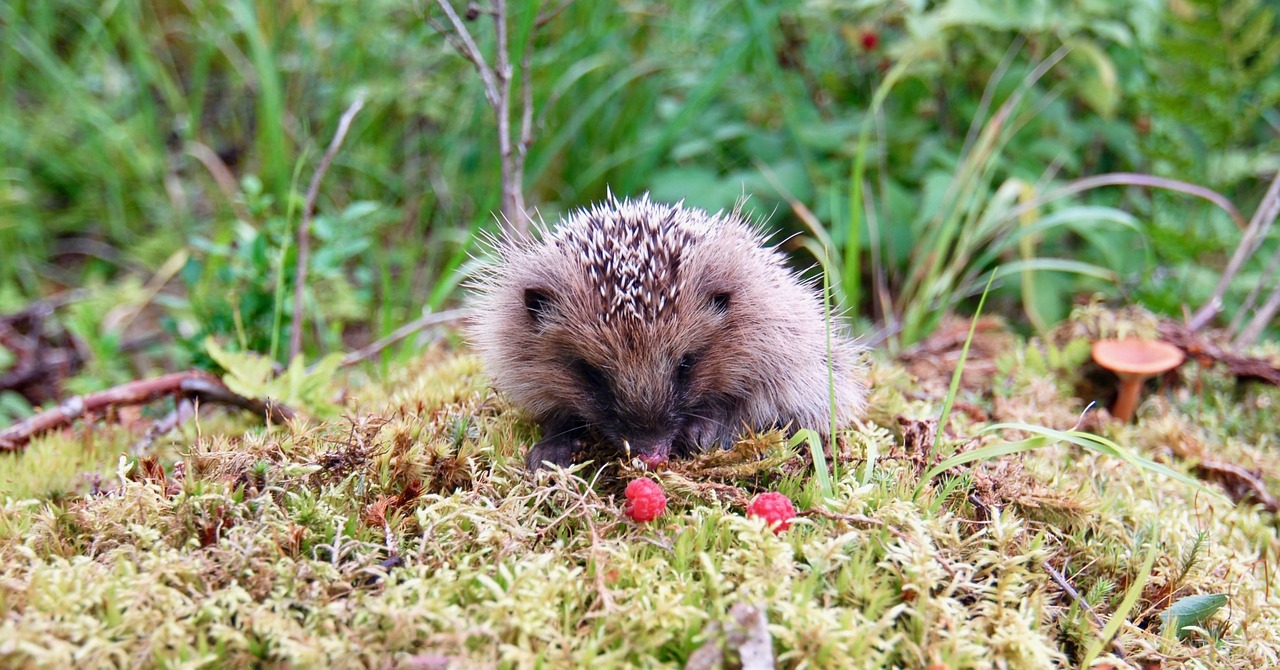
1132 356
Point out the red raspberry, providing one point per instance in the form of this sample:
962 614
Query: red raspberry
645 500
870 40
775 508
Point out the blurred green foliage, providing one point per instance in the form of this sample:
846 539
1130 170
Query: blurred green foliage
135 129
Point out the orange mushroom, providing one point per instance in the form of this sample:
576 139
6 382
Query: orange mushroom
1134 361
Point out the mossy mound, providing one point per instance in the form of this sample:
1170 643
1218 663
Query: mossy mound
409 534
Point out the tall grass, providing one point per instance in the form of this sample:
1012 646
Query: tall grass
138 125
122 107
960 242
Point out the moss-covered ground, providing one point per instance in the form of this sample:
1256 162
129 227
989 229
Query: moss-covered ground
407 533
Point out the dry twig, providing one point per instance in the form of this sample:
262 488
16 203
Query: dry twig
193 383
421 323
1207 353
1061 580
184 410
304 228
855 519
1263 218
496 79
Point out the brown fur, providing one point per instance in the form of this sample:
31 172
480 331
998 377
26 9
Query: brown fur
658 328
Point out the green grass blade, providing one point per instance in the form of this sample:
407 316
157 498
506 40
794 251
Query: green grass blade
819 458
1102 445
989 452
954 389
955 376
851 274
272 145
1122 612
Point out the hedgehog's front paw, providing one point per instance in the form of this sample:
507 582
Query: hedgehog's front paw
557 451
704 434
563 439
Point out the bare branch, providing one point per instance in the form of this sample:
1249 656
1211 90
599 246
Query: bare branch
471 52
1263 218
221 176
1260 320
184 410
194 383
1264 280
512 165
421 323
43 308
526 90
497 87
304 228
546 17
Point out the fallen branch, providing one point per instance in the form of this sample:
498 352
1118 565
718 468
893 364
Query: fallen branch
1208 353
855 519
1239 482
193 384
304 228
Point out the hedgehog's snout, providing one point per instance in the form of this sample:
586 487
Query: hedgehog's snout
651 452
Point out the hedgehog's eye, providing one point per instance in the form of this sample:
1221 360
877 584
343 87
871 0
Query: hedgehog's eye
719 302
537 302
685 368
591 375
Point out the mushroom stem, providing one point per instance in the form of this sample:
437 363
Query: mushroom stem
1127 399
1134 361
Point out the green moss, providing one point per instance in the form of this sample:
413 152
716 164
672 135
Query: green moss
272 548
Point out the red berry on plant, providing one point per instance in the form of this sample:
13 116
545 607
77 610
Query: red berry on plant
775 508
870 40
645 500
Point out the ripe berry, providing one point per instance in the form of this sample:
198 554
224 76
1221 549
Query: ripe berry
775 508
870 40
645 500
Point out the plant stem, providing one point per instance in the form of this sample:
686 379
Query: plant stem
1262 220
304 228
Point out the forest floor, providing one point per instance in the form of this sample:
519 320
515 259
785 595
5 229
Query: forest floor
406 532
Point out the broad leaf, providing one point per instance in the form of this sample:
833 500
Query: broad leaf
1190 612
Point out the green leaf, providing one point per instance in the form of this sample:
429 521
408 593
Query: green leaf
252 376
1190 612
248 374
1099 89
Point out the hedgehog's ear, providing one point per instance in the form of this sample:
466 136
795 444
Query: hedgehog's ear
719 301
537 301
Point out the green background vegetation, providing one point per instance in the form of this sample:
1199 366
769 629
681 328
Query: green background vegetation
155 152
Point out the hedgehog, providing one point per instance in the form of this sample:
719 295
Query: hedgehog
659 330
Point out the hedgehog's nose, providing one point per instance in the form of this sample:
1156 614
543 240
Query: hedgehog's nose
653 461
652 453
